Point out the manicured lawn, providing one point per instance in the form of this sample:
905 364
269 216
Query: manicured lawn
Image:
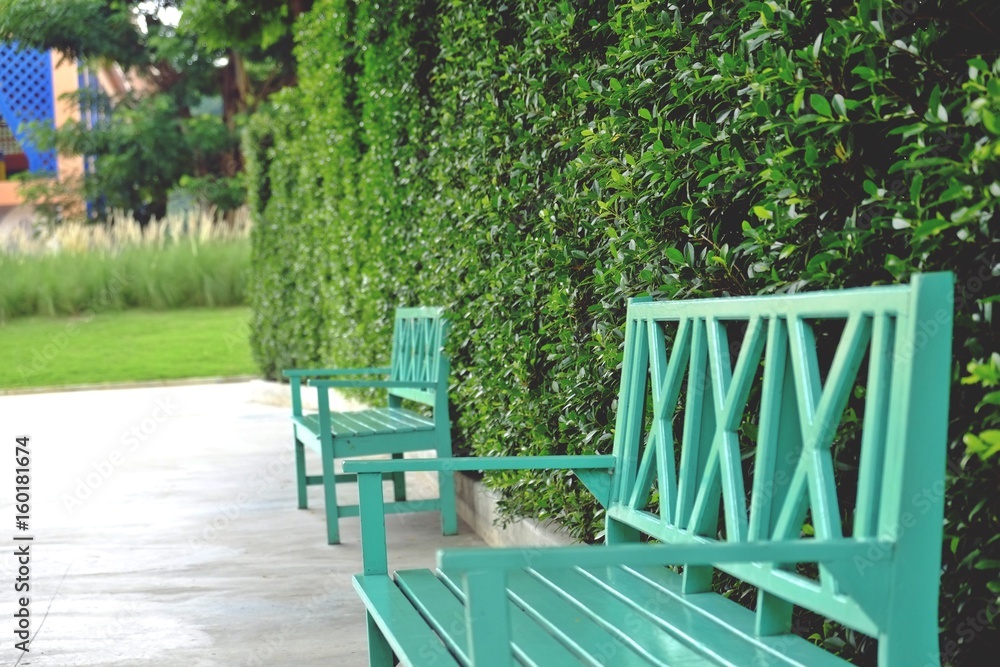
125 346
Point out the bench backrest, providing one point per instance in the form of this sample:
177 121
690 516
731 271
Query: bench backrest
690 371
418 355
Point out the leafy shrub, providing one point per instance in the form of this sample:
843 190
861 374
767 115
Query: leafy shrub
531 165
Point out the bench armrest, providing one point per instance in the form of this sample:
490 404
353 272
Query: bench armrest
328 372
372 384
642 555
295 375
593 470
471 463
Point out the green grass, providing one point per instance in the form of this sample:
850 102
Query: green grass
125 346
178 275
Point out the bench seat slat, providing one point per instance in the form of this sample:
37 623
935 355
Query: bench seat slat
580 631
340 429
439 607
346 424
437 601
380 422
409 635
534 645
413 419
377 421
727 615
617 598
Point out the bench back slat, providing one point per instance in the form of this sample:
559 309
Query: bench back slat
704 416
418 354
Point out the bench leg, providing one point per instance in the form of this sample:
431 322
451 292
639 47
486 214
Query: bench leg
446 486
379 651
620 533
330 494
300 474
398 482
911 637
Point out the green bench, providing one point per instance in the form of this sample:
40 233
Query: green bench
418 372
762 504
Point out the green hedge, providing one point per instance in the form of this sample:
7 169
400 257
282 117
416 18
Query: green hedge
531 165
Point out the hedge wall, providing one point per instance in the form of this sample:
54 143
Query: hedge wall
532 164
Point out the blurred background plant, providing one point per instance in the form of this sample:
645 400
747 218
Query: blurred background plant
193 70
181 261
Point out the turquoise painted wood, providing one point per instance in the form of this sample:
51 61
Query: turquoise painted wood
418 372
717 496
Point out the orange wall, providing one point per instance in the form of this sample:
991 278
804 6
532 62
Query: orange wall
65 79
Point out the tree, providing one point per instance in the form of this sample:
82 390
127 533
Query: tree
153 138
253 41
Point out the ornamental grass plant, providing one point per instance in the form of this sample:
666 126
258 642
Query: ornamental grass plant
69 269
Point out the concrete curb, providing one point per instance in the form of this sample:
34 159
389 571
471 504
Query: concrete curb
280 395
98 386
476 504
478 507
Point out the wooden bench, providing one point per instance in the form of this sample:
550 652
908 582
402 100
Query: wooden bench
418 372
763 504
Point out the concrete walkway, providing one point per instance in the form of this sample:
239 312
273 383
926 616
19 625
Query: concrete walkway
165 533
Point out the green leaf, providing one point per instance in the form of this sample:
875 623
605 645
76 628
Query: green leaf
866 73
915 187
931 227
675 256
811 155
990 121
798 102
992 398
978 64
820 105
942 113
644 113
840 105
787 251
991 437
984 445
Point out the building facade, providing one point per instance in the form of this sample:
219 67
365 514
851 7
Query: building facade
32 86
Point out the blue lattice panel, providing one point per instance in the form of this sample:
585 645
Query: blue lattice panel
25 96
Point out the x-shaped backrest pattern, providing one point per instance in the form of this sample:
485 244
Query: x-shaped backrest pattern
716 398
702 417
417 345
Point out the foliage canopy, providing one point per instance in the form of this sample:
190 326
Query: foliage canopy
151 139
